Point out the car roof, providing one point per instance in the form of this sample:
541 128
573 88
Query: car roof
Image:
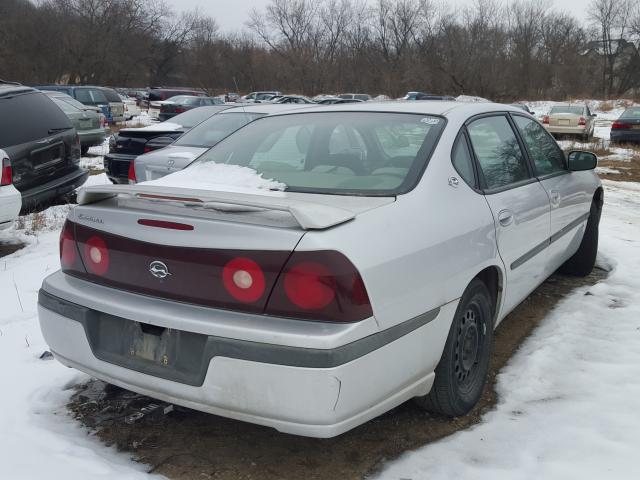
435 107
267 108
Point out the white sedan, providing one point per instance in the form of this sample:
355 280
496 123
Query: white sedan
320 266
10 198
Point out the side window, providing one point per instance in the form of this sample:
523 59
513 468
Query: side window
461 159
498 152
543 150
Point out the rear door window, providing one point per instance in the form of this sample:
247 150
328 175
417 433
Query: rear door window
27 117
498 152
462 160
543 150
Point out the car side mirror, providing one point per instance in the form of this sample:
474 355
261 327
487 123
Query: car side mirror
580 161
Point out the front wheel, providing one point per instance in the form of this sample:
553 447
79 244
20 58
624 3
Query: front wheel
462 371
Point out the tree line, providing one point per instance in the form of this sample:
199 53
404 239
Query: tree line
522 49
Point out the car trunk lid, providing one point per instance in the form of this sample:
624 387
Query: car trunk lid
176 243
132 141
564 120
154 165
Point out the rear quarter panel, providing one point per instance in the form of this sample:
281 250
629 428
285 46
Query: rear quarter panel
421 251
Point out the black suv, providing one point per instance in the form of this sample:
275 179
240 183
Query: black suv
43 146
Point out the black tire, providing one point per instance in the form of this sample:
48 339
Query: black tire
582 262
84 150
462 371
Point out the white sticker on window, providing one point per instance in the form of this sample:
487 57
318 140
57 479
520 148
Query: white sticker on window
430 120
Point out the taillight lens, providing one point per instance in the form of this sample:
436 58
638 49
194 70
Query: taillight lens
545 119
7 172
68 248
132 172
620 126
96 256
244 280
582 122
179 110
147 149
321 285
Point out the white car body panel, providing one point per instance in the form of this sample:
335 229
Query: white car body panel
416 253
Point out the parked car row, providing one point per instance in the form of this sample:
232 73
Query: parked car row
40 146
278 304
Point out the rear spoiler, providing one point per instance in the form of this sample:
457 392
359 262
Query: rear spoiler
309 215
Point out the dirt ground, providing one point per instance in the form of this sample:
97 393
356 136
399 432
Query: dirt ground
189 445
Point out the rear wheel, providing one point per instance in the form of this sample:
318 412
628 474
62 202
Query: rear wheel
462 371
582 262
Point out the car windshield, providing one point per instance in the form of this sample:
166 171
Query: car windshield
211 131
567 109
193 117
631 113
351 153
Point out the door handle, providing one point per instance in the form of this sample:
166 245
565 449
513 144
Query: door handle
505 217
555 197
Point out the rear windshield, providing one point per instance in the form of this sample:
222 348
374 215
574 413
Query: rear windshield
211 131
73 102
567 109
193 117
91 96
185 100
27 117
111 95
351 153
631 113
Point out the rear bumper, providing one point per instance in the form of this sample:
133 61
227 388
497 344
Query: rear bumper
566 130
91 138
117 166
625 136
318 392
10 204
53 189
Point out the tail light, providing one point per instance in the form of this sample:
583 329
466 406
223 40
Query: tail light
620 126
582 122
96 256
132 172
179 110
7 172
545 119
322 285
244 279
103 121
69 258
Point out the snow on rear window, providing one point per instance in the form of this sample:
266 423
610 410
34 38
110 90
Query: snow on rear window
216 176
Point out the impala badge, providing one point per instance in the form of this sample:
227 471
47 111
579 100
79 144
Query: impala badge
159 269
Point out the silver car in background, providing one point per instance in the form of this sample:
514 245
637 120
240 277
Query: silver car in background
195 142
570 119
358 257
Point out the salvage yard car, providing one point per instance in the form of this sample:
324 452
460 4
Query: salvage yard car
43 146
570 119
627 127
128 143
379 247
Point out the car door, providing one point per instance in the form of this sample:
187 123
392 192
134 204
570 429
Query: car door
568 193
519 204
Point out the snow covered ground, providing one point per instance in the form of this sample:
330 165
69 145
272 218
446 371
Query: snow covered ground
568 400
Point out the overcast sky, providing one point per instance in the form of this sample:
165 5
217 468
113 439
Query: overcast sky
232 14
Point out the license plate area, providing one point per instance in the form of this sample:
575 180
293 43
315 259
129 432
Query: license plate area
162 352
635 127
564 122
45 157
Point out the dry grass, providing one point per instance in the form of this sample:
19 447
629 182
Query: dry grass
606 106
